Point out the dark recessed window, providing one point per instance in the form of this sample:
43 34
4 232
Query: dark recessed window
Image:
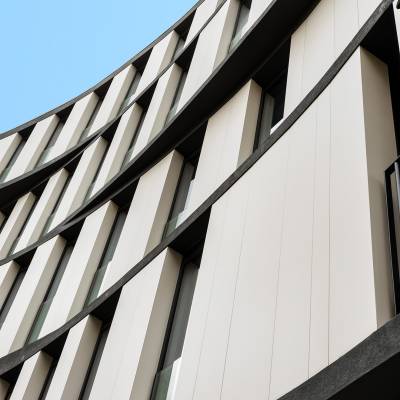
91 186
85 132
12 161
56 206
177 96
241 21
182 194
107 256
50 293
176 331
132 90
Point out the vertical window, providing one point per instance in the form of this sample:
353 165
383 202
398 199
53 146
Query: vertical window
91 186
265 118
241 21
179 46
21 231
56 206
177 96
48 380
107 256
132 90
176 330
12 161
94 363
44 157
85 132
182 194
11 295
51 291
129 152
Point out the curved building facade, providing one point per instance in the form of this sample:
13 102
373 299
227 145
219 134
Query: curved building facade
215 220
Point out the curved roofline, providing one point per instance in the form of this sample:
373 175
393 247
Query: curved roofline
68 103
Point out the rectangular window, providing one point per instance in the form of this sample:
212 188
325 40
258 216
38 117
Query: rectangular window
91 186
179 46
51 292
129 152
21 231
131 91
94 363
44 157
12 161
85 132
56 206
177 96
11 295
265 118
176 330
107 256
241 21
48 380
182 194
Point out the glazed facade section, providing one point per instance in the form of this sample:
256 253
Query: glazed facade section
213 221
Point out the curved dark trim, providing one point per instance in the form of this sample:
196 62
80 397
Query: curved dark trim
368 371
103 81
17 187
30 177
14 359
238 67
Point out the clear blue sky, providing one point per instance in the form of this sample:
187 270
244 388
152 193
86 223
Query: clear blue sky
52 50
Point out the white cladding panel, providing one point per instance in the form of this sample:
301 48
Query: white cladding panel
127 367
319 40
288 258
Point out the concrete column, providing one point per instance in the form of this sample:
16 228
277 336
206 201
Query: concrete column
158 108
74 125
127 367
7 147
8 273
26 304
74 360
146 218
32 377
80 181
115 96
82 265
119 146
43 209
212 47
160 56
228 141
15 222
34 146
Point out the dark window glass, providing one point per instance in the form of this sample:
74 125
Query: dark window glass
94 363
182 195
49 296
132 90
134 139
175 335
108 254
85 132
177 96
241 21
55 208
48 380
11 295
21 231
12 161
91 186
45 153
